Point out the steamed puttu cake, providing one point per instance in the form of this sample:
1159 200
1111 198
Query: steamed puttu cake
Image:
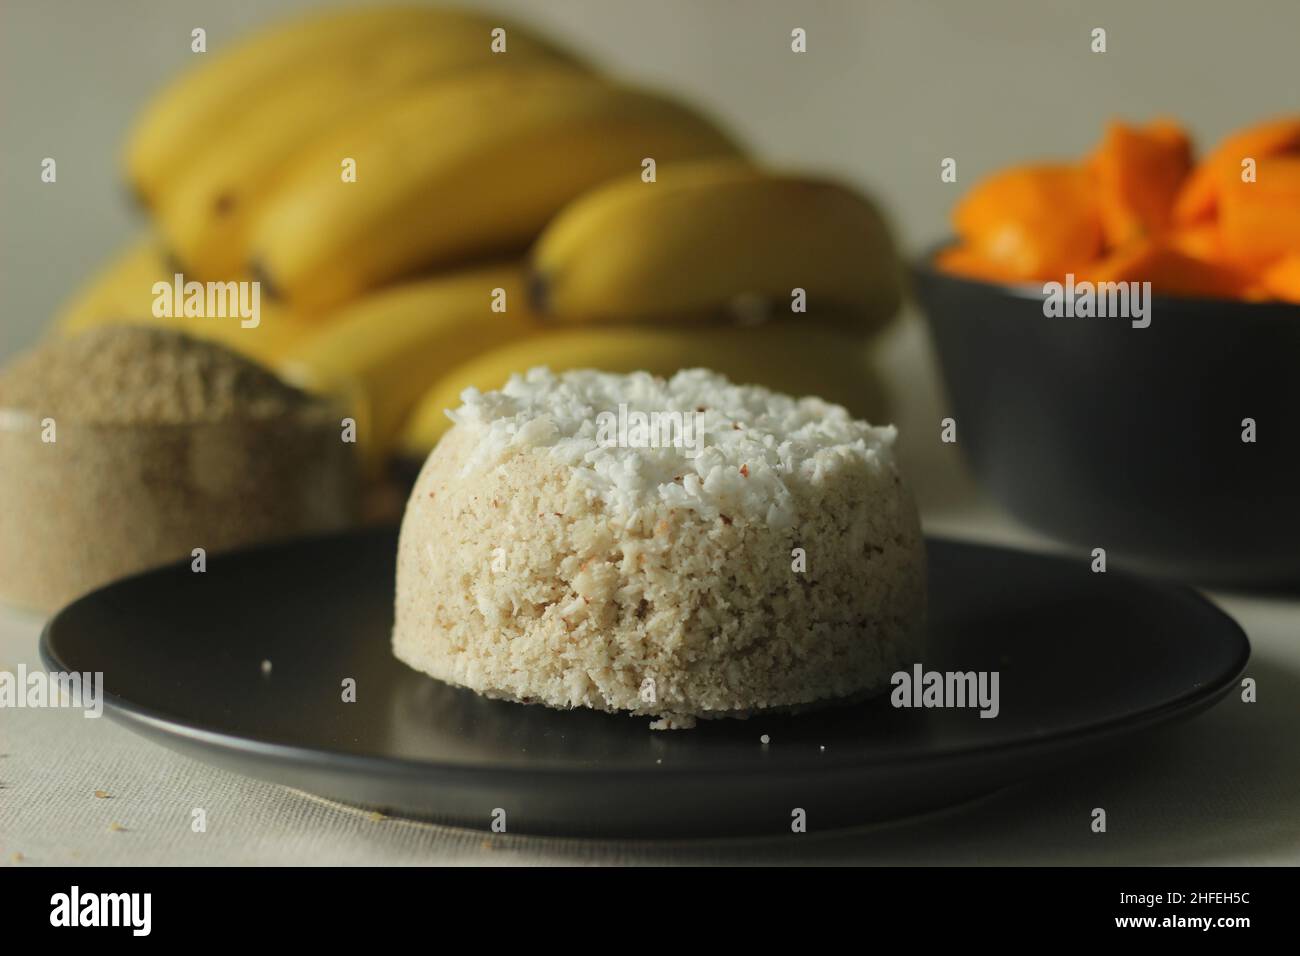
676 548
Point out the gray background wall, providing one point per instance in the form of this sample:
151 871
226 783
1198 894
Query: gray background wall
887 89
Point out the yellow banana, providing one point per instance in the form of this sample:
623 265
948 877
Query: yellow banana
206 211
381 353
458 169
122 289
792 357
203 109
123 292
711 235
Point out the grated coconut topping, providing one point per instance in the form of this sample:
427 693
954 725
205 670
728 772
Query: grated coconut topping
740 448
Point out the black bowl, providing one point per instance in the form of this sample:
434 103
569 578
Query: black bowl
1130 439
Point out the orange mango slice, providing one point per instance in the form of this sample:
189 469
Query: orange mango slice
968 263
1198 200
1282 279
1033 221
1170 271
1200 241
1139 171
1260 221
1137 210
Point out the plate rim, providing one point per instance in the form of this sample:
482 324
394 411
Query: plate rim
155 724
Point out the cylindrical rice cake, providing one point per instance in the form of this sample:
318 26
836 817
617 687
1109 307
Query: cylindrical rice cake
750 552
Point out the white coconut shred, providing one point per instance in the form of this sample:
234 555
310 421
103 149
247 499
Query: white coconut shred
739 448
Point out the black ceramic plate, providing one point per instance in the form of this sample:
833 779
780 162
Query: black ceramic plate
1082 658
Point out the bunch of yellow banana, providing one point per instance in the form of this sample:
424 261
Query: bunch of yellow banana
124 292
637 275
458 169
208 152
363 165
790 356
710 233
380 354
